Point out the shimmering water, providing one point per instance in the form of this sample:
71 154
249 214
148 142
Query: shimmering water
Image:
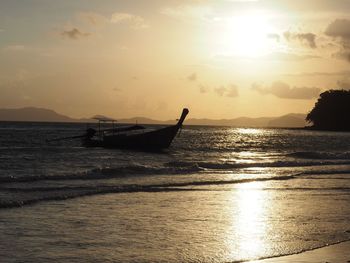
218 194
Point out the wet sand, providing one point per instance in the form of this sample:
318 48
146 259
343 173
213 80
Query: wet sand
338 253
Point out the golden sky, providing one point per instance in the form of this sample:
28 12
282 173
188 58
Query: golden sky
221 59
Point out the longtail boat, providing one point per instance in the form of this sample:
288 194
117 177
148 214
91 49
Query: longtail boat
131 137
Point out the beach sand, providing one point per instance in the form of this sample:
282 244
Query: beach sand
339 253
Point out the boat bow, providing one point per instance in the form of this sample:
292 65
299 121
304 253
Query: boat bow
185 111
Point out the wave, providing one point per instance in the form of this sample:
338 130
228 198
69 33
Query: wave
50 193
170 168
106 173
40 194
329 172
27 194
321 155
275 164
344 240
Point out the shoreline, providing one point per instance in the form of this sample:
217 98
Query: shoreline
339 252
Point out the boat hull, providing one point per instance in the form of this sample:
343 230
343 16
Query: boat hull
153 140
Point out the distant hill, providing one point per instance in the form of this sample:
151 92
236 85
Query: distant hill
33 114
46 115
292 120
143 120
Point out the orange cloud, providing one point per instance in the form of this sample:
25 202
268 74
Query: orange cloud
74 34
284 91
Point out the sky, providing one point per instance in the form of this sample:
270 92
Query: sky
221 59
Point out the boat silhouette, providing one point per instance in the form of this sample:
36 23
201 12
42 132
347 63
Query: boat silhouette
129 137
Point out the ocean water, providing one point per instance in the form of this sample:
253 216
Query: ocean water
219 194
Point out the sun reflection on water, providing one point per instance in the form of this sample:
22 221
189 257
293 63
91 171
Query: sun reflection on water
245 157
250 131
249 219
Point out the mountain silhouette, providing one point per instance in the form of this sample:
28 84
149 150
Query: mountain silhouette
33 114
47 115
292 120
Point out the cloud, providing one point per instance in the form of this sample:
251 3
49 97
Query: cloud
192 77
320 73
230 91
92 18
275 37
220 91
131 20
308 38
203 89
340 29
274 56
185 12
284 91
74 34
288 56
343 54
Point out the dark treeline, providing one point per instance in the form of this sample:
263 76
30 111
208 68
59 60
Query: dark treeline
331 111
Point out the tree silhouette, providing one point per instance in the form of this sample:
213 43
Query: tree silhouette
331 111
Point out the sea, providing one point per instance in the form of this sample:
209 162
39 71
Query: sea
218 194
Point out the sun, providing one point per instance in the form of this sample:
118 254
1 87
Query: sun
247 35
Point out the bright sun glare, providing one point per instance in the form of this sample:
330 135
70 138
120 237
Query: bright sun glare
247 35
